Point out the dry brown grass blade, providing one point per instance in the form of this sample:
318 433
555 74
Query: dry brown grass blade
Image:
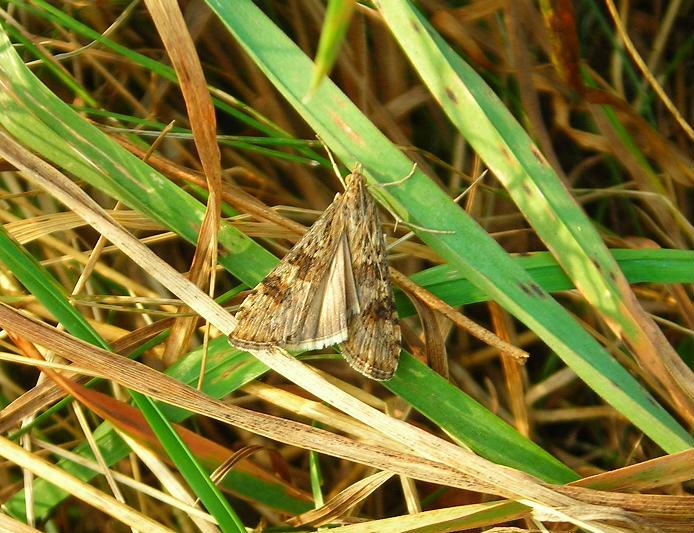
457 318
680 508
29 229
236 458
514 372
669 512
180 47
457 518
675 162
315 411
458 463
342 502
10 524
454 23
640 63
434 342
659 472
510 529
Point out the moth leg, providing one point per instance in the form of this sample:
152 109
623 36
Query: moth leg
456 200
397 182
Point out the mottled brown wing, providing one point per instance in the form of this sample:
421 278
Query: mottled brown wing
373 341
308 299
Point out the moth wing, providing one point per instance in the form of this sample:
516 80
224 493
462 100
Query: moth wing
333 304
373 341
293 296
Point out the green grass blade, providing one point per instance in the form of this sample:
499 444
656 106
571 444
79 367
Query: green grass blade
639 266
188 466
337 17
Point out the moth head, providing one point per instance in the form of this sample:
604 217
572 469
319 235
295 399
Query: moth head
356 177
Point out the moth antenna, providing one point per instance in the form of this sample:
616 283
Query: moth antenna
475 182
457 199
399 220
336 169
397 182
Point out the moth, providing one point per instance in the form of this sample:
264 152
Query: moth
331 288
